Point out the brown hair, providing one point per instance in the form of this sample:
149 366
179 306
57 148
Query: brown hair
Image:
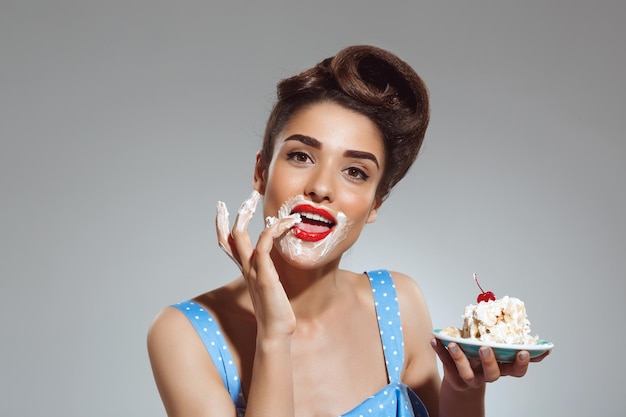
370 81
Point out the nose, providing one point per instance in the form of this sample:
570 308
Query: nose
320 186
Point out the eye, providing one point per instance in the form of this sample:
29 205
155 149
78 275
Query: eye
356 174
299 157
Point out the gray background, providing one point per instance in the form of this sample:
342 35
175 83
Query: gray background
123 122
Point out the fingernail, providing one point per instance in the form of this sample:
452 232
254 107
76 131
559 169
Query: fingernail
433 343
484 352
523 356
454 349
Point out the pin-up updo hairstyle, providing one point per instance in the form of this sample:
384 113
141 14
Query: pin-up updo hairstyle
372 82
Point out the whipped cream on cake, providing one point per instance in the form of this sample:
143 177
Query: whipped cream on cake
502 320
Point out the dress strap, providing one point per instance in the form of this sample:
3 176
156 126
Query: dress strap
215 343
389 323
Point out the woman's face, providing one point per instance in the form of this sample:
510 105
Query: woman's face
326 166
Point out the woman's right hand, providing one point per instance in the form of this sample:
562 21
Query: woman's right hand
274 315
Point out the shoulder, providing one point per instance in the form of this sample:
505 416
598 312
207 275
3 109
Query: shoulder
171 327
410 296
168 323
172 337
412 304
183 369
420 367
408 291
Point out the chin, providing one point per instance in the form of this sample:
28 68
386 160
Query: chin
307 255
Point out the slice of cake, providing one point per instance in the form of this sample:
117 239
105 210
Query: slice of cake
494 320
501 321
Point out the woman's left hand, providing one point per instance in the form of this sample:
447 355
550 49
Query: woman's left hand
463 373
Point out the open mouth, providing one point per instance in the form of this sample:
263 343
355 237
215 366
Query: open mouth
316 223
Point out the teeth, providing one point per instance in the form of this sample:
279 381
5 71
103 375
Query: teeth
316 217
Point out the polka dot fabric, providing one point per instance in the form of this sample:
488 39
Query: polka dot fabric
394 400
215 343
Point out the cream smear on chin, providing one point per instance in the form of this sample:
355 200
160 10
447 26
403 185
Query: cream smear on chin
296 249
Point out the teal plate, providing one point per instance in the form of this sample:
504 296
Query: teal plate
504 352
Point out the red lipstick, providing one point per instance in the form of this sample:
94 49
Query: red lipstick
316 223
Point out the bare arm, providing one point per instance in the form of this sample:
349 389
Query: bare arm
190 385
187 380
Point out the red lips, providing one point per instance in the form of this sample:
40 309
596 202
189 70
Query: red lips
316 223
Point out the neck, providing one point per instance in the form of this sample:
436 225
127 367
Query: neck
310 291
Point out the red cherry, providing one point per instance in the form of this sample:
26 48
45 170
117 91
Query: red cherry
484 295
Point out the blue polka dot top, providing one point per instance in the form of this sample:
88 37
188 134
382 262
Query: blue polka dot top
394 400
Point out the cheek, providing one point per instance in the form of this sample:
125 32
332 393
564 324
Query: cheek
278 189
358 206
281 184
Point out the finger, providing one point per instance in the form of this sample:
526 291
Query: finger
541 357
462 364
273 231
491 368
442 352
451 373
222 226
246 211
286 223
241 239
520 366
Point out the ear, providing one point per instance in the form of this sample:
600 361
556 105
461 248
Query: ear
371 218
259 175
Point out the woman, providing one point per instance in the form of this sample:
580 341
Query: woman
295 335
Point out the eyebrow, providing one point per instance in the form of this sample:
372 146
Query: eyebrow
314 143
362 155
307 140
